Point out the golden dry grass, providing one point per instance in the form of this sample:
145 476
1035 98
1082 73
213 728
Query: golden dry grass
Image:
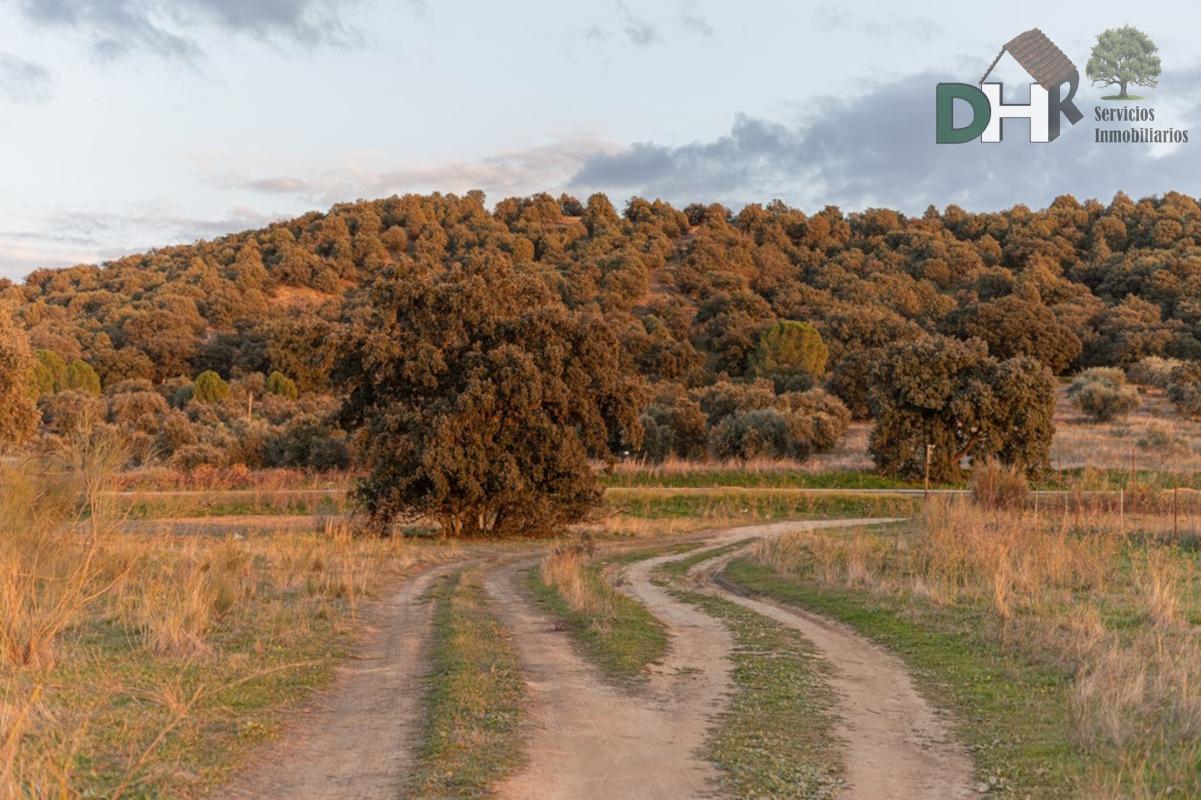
131 664
1112 604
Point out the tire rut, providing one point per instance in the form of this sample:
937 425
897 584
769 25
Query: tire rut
897 747
593 741
357 739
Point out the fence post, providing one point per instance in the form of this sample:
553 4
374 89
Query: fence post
926 490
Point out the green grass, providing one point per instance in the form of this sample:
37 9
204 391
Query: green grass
766 506
623 642
776 736
774 479
476 726
1012 712
1118 97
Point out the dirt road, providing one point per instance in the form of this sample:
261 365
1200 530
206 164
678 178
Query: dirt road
594 740
897 747
357 739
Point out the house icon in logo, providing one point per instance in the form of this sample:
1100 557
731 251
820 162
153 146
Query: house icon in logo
1039 56
1042 61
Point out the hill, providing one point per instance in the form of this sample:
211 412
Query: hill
688 291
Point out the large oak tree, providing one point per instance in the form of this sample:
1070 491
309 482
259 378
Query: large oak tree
479 398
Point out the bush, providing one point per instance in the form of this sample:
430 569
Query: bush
791 354
1162 439
724 398
816 421
762 433
1102 394
196 455
1152 371
82 378
1184 389
280 384
851 382
137 411
673 425
997 486
72 412
307 442
209 387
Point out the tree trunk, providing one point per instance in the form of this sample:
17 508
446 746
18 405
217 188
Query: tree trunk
1122 94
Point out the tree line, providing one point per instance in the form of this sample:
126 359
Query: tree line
697 331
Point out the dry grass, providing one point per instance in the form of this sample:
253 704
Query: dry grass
564 570
1114 607
1153 436
144 664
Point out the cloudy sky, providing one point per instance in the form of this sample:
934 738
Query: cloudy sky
127 124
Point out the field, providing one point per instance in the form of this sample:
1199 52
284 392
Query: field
175 634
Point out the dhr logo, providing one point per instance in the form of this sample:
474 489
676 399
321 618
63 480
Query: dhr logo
1044 62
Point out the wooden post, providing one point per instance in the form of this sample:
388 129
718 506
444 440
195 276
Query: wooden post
1175 511
929 454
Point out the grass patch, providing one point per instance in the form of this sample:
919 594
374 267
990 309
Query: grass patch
613 631
701 477
1013 713
475 727
737 506
776 737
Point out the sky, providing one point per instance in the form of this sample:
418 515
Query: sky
130 124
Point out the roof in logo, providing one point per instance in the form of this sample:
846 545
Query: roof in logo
1039 56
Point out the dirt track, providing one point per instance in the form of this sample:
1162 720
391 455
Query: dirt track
356 740
592 739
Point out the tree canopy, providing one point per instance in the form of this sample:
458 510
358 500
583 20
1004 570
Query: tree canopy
478 399
965 405
1123 56
689 295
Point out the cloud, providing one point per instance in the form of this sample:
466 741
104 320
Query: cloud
23 81
878 149
639 31
833 18
63 237
546 167
117 27
692 21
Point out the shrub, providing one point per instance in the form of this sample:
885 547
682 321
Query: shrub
997 486
1184 389
791 354
1102 394
851 381
307 442
72 412
724 398
673 425
18 412
280 384
816 421
1162 439
209 387
762 433
81 377
137 411
1152 371
50 372
196 455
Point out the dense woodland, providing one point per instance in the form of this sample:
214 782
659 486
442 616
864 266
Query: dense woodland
699 302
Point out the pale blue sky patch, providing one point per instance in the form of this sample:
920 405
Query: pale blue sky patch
127 124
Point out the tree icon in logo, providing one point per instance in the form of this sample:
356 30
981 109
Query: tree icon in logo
1123 56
